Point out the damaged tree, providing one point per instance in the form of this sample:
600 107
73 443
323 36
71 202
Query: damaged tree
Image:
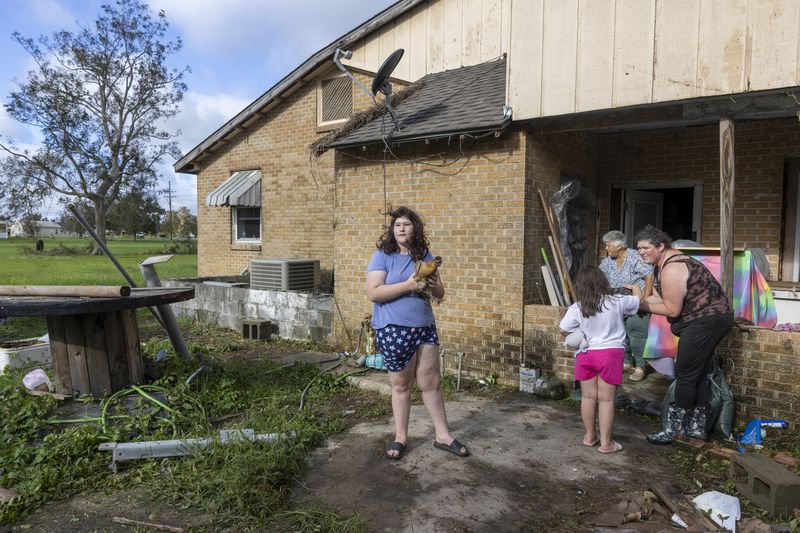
99 98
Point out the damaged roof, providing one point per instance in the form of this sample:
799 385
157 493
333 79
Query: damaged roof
468 100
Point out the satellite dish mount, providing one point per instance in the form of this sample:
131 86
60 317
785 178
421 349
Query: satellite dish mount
381 81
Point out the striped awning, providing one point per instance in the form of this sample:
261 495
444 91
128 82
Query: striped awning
241 189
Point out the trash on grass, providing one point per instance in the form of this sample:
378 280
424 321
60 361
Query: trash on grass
373 360
723 509
754 432
37 380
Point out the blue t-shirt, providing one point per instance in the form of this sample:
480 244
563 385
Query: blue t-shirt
410 309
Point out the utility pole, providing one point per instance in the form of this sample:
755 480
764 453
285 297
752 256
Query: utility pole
170 210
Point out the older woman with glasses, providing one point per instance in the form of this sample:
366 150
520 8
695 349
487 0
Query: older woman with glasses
624 267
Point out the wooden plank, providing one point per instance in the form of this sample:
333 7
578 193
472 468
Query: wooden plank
721 47
435 13
595 73
680 505
505 27
559 45
633 52
115 345
76 291
58 353
727 181
418 58
402 39
76 353
471 32
94 335
452 34
132 349
549 285
677 32
773 32
524 85
372 53
491 32
386 42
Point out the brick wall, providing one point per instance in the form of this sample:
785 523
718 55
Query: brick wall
472 201
297 190
692 154
762 366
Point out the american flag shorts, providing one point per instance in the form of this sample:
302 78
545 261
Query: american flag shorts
398 344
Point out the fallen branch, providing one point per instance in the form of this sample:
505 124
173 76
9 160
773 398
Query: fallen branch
160 527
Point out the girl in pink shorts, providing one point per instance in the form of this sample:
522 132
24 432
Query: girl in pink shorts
598 313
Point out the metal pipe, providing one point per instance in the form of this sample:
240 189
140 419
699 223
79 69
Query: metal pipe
458 380
151 278
110 256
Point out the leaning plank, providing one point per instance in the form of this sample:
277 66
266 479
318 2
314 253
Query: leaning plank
551 224
96 354
78 291
58 353
548 283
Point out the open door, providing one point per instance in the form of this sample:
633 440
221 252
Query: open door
642 208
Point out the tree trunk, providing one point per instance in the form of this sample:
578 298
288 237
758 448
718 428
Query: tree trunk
100 210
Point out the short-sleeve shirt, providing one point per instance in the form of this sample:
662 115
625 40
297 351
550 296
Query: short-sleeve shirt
606 329
633 270
410 309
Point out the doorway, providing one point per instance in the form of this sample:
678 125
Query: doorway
675 208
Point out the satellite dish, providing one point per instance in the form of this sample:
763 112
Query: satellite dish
381 81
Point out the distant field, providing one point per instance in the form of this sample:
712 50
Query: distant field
21 265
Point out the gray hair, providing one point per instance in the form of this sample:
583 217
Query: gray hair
615 237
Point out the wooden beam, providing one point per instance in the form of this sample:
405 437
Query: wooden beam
727 183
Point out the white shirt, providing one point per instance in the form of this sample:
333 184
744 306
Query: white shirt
605 329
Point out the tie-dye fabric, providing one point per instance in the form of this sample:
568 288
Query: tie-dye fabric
752 301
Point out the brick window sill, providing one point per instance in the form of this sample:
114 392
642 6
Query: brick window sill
241 247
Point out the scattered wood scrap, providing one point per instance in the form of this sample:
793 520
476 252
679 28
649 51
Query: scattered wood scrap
680 505
717 452
152 525
55 395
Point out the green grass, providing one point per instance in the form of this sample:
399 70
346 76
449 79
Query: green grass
22 265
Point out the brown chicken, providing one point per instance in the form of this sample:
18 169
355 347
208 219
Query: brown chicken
424 271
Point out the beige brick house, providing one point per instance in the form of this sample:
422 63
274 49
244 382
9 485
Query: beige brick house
629 97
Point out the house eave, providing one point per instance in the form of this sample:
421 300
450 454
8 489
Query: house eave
302 75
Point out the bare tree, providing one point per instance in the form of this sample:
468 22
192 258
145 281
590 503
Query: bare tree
100 97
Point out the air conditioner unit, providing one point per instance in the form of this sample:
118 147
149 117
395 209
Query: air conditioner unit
284 274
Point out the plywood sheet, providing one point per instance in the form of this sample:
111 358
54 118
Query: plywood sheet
559 44
525 59
773 28
418 52
633 52
435 17
677 27
721 47
491 23
471 32
452 33
402 40
594 82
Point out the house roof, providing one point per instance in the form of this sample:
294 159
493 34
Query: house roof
242 189
299 76
468 100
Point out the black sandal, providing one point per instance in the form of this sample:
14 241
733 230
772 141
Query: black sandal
454 448
395 446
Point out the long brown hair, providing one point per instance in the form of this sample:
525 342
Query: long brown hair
418 246
591 289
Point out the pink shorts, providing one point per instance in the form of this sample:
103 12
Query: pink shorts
606 363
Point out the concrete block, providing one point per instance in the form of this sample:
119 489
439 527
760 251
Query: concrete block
766 483
256 329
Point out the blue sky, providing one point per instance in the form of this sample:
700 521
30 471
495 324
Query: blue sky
236 49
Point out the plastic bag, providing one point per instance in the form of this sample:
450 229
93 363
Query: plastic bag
37 380
721 403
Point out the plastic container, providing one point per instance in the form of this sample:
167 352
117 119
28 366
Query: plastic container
527 378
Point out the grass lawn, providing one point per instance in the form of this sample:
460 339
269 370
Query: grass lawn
63 261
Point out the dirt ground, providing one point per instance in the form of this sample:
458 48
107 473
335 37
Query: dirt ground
528 472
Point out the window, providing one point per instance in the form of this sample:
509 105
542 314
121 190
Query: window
246 224
334 100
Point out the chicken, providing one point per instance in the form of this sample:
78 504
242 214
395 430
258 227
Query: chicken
424 271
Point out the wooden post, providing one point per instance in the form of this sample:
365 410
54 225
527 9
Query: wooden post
727 181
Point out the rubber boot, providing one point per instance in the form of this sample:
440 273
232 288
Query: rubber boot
673 425
696 423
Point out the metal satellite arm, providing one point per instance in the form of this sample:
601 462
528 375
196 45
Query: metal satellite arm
347 54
